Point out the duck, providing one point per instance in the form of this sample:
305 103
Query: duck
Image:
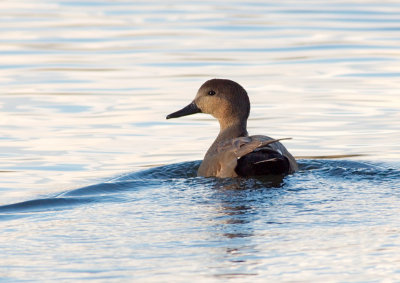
235 153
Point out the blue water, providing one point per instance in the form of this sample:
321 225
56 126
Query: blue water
96 185
332 220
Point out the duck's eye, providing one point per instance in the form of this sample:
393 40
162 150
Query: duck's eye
211 92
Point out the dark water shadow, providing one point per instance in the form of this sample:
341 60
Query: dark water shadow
109 191
231 191
348 169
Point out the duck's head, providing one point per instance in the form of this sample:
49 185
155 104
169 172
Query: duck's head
226 100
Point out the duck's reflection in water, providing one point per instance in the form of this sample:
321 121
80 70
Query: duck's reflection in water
236 220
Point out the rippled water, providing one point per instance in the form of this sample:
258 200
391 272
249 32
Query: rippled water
84 90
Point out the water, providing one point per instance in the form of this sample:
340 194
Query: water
97 185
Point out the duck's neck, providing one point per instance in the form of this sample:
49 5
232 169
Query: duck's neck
229 131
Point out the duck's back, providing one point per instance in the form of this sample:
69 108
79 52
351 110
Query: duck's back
262 162
247 156
271 159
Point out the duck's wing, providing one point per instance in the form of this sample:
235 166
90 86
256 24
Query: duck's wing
244 145
255 154
270 158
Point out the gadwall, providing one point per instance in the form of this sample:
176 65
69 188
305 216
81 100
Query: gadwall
234 153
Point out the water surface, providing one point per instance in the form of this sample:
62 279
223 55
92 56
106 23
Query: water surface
97 185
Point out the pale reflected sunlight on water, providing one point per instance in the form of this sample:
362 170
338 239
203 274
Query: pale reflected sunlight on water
84 91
